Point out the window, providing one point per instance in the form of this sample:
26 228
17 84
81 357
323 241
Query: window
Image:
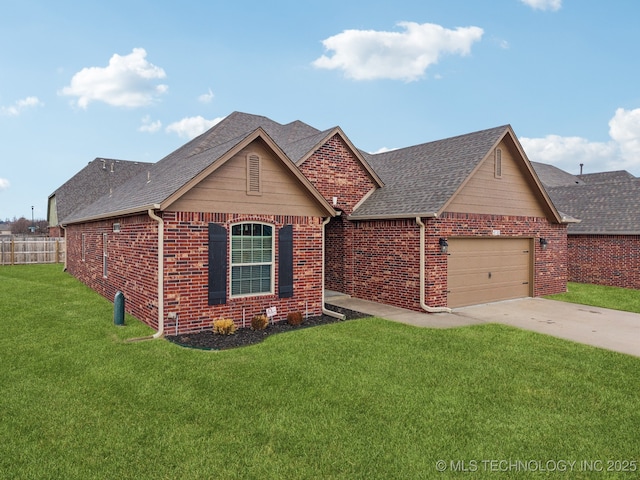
104 255
498 163
251 259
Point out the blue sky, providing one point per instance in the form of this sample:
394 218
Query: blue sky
136 79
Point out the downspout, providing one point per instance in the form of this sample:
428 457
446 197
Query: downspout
158 219
324 310
422 274
64 229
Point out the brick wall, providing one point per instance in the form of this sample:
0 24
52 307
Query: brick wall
132 268
612 260
186 248
336 172
131 262
379 260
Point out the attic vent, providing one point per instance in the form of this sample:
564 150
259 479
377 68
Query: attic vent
254 175
498 163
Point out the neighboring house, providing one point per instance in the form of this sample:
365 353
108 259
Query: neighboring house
604 248
98 178
253 214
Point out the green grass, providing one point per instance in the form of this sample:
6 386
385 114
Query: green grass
355 400
600 296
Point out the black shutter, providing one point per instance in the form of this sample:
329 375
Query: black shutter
285 261
217 264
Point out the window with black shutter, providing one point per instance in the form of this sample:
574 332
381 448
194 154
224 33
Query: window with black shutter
285 261
217 264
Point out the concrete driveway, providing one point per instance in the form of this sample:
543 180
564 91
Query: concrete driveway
599 327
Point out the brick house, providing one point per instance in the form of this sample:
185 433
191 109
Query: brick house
604 248
254 214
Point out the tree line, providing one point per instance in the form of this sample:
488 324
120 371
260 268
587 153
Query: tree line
24 226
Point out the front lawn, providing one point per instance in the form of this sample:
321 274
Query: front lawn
351 400
601 296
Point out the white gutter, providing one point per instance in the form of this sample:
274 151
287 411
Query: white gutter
324 310
158 219
64 229
422 274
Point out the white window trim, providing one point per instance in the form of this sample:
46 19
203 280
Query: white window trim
272 263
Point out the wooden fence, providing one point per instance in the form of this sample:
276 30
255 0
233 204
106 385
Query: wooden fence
21 250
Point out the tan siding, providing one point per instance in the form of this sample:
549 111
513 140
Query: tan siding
509 195
225 190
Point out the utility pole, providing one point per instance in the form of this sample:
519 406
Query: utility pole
33 223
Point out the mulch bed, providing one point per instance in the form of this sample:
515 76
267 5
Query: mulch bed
206 340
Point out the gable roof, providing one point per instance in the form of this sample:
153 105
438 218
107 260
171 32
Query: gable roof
605 202
414 181
97 178
164 179
551 176
606 177
421 180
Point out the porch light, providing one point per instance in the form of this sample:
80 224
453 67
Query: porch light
443 245
543 243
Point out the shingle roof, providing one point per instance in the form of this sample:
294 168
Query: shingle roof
162 179
605 202
611 208
98 178
606 177
419 180
552 176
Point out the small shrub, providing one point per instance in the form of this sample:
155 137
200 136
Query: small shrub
294 318
259 322
224 326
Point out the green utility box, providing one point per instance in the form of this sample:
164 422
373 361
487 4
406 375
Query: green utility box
118 309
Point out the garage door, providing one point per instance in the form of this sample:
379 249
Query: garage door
484 270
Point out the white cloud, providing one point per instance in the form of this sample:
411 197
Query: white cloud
149 126
383 150
370 54
128 81
191 127
4 184
622 152
553 5
19 106
568 153
206 97
624 129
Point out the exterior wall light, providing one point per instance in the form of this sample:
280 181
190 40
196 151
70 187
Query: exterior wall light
443 245
543 243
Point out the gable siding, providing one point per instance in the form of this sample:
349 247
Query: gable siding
509 195
336 172
226 189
